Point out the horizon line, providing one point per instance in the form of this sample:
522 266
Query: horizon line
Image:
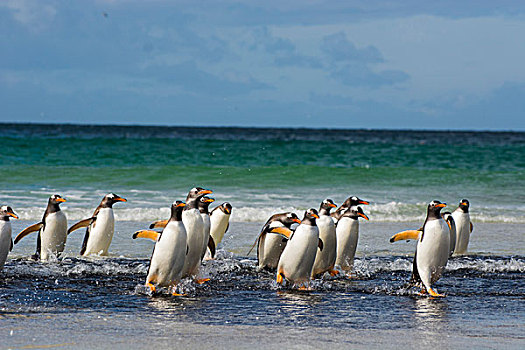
257 127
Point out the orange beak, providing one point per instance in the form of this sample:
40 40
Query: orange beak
13 215
209 200
60 200
181 205
315 216
227 211
441 205
203 192
297 221
364 202
121 199
363 215
332 205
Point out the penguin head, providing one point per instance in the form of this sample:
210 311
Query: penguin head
176 210
6 212
204 203
110 199
290 218
361 213
353 201
309 217
434 209
56 199
464 205
226 208
355 212
197 192
326 206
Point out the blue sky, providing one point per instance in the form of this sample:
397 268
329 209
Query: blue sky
323 64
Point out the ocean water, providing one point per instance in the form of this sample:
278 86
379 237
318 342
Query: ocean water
76 302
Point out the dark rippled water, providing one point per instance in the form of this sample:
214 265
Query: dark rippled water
484 301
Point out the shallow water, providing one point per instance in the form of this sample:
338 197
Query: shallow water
102 303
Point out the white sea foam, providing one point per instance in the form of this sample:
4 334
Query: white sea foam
248 205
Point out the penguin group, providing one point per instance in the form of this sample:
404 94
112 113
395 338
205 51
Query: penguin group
297 250
322 242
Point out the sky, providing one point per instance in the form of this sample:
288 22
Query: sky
311 63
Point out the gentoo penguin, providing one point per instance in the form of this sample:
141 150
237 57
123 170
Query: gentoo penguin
52 230
270 244
447 216
348 203
167 260
220 222
194 225
463 226
6 242
347 233
433 248
325 259
100 227
204 204
296 261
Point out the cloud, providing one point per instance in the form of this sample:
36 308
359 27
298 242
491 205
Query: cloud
31 13
192 79
351 65
282 51
339 49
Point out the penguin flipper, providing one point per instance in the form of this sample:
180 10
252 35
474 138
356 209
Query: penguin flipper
153 235
227 227
81 223
405 235
471 227
11 247
211 246
85 241
283 231
158 224
415 279
320 244
263 232
28 230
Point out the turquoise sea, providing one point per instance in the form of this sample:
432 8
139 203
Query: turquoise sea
79 302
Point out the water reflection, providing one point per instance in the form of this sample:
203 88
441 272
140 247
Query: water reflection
432 322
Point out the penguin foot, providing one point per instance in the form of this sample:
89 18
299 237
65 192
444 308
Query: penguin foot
151 287
305 288
435 294
333 273
175 294
280 278
202 280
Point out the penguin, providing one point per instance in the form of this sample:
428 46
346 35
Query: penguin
100 227
270 243
169 253
432 249
464 226
6 242
347 233
52 230
348 203
220 222
192 220
297 260
204 204
447 216
325 259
